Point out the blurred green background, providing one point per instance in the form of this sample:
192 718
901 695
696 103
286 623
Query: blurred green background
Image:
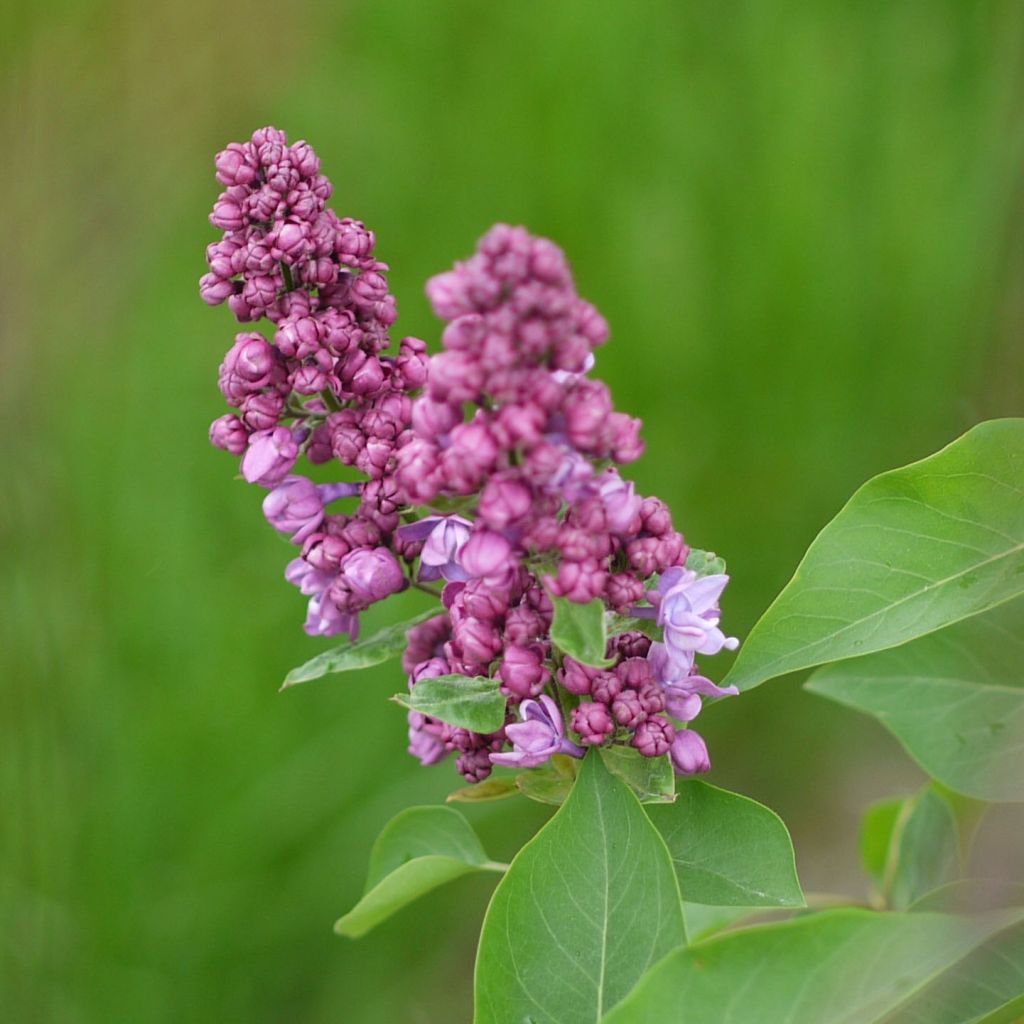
804 223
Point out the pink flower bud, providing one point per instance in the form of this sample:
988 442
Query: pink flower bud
654 736
270 456
262 411
504 501
489 556
593 723
229 434
576 678
227 213
432 419
294 507
372 574
522 671
213 290
689 753
235 165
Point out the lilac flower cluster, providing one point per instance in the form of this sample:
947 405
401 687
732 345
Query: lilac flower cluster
324 385
511 427
489 472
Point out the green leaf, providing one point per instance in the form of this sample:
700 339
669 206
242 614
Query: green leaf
650 778
728 850
986 987
467 702
914 550
910 846
586 907
549 783
384 645
418 850
836 967
481 792
954 699
579 631
705 563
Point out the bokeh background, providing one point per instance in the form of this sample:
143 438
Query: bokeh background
804 223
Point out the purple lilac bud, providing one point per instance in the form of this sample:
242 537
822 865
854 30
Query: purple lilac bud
479 641
372 574
294 507
654 736
621 505
627 709
576 678
425 641
579 581
475 765
522 671
593 723
424 742
605 687
504 501
689 753
270 456
540 734
229 434
487 555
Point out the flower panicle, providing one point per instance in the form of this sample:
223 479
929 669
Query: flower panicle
504 423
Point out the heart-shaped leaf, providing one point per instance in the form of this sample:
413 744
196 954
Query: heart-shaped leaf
586 907
418 850
914 550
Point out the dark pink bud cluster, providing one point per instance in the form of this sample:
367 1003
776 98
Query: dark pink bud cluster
323 384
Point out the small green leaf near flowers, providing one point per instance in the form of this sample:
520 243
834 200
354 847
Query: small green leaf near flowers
580 631
467 702
385 644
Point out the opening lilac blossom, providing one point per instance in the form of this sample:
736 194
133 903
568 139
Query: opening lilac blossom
540 735
444 538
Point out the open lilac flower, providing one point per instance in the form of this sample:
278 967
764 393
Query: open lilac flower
540 734
296 506
680 674
688 611
444 538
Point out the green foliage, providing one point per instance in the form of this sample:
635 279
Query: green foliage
910 847
728 850
915 549
650 778
418 850
841 966
588 905
955 699
549 783
986 987
385 644
705 563
469 702
493 788
579 630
